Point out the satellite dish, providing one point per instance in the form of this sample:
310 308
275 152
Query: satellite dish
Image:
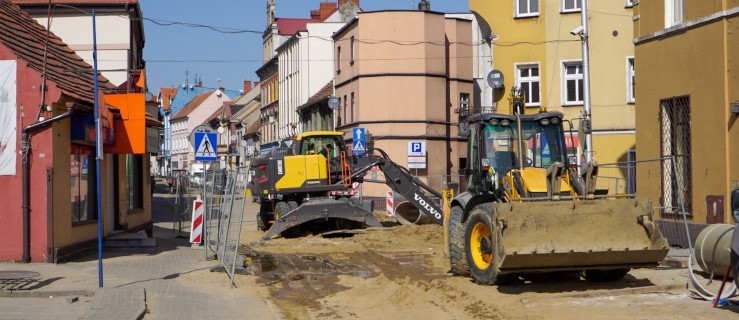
333 103
495 79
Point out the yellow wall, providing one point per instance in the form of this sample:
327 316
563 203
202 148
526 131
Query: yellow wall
696 62
65 234
610 45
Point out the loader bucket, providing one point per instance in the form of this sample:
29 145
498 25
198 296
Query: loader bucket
323 210
578 235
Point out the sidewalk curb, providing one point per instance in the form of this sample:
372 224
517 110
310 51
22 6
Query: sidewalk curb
45 294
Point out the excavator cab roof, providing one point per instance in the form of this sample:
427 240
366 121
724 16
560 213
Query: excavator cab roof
318 134
485 117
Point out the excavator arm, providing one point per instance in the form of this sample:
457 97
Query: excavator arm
401 181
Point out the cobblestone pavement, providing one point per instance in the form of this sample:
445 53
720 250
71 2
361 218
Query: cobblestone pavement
175 282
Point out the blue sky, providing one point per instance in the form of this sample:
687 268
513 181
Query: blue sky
171 51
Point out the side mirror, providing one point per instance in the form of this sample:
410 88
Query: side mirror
735 204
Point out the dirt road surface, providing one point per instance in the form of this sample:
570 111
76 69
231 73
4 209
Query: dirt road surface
401 273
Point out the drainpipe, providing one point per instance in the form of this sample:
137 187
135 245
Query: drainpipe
26 177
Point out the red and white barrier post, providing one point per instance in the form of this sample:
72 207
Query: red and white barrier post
389 205
196 231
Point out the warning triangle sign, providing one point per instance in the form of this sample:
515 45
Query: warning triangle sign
205 149
358 146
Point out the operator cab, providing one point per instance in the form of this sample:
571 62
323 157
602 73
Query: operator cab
541 141
327 143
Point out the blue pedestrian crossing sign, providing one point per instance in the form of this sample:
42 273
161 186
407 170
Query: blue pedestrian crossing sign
206 146
359 145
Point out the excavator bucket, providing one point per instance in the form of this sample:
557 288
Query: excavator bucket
577 235
323 211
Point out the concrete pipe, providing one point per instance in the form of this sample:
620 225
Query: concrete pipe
407 213
713 247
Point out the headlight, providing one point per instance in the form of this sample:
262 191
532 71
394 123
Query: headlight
554 120
544 122
505 123
493 122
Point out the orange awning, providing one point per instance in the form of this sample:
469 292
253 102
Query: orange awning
130 130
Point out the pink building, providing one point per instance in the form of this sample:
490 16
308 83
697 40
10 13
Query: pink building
402 75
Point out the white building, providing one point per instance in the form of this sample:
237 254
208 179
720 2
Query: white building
184 122
118 24
306 66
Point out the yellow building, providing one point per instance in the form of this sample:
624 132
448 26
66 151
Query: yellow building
688 80
534 48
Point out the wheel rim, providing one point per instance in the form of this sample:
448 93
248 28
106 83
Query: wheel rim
481 245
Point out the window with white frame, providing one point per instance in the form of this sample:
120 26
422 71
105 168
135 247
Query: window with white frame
529 80
571 5
527 8
630 81
572 83
673 12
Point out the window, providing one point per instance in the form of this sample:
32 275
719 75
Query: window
345 118
352 109
464 101
527 8
677 183
352 50
571 5
82 172
135 184
630 81
338 60
572 83
530 81
673 12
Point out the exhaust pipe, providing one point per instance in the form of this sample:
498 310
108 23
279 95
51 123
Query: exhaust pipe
407 213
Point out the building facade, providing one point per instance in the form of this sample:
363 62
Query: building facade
406 93
48 171
120 49
306 66
535 50
195 113
687 83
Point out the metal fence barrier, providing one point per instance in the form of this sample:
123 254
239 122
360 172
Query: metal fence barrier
225 197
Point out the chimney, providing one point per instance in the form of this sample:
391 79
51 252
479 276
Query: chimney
327 8
200 84
315 14
247 86
424 5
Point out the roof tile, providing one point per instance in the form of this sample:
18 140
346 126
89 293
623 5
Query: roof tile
26 38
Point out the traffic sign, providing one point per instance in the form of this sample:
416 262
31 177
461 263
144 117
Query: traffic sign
416 148
359 145
206 146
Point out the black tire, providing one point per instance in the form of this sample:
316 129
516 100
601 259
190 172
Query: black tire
281 208
263 216
457 258
605 275
354 200
292 205
483 247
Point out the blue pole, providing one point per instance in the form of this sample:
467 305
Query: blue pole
98 152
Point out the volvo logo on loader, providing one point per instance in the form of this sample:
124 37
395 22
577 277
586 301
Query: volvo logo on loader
427 206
